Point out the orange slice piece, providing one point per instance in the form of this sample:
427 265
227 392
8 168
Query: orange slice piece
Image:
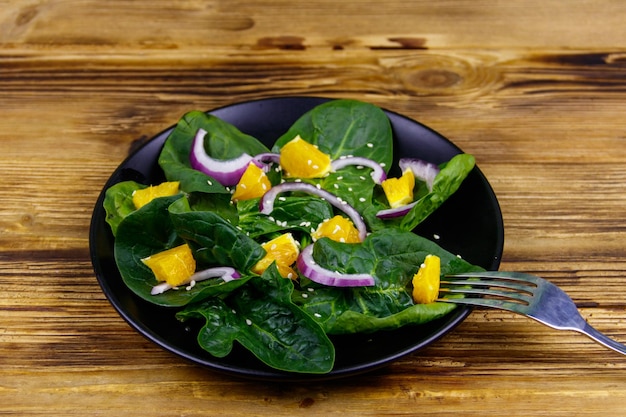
146 195
426 280
338 229
283 250
399 191
174 266
301 159
252 184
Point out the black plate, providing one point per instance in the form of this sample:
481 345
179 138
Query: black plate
469 223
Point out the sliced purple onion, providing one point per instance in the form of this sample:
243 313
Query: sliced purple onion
226 172
224 272
265 160
395 212
378 173
310 269
266 205
424 171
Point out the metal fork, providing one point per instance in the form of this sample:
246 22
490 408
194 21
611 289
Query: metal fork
523 294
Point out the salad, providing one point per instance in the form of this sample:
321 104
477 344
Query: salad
278 249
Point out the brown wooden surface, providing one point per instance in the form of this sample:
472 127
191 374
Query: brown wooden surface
536 90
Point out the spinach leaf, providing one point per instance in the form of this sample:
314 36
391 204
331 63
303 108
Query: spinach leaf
262 317
290 213
447 181
213 240
118 202
150 230
392 256
143 233
223 141
345 127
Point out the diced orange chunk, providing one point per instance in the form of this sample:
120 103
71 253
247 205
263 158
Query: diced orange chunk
146 195
426 280
252 184
399 191
338 229
174 266
301 159
284 250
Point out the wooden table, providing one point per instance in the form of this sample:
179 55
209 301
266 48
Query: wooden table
536 90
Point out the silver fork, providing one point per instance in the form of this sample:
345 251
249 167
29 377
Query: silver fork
523 294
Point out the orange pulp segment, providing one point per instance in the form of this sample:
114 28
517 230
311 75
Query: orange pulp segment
426 280
301 159
399 191
174 266
284 250
146 195
252 184
338 229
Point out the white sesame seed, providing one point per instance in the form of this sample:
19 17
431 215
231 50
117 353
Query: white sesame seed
233 310
370 145
318 315
249 322
282 199
305 295
191 285
309 162
339 178
436 236
361 177
209 182
362 200
382 164
310 289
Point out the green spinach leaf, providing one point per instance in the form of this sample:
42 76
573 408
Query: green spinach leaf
345 127
223 141
392 256
262 317
118 202
447 181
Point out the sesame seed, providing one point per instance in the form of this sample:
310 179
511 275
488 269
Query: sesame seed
362 200
316 167
361 177
274 246
310 289
305 295
233 310
191 285
318 315
264 186
243 186
209 182
370 145
249 322
309 162
339 178
436 236
382 164
282 199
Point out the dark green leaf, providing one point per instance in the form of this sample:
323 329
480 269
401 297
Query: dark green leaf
263 319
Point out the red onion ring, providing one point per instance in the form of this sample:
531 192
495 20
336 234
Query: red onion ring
310 269
378 173
424 171
224 272
266 205
226 172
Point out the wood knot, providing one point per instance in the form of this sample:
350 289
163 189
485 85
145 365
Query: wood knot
292 43
434 78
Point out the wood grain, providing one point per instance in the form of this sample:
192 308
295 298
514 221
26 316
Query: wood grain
536 90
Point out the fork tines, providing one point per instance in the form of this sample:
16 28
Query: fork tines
490 289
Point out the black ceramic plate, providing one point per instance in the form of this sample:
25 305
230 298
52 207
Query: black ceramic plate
469 223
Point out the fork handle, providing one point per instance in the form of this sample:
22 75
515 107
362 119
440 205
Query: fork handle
603 339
